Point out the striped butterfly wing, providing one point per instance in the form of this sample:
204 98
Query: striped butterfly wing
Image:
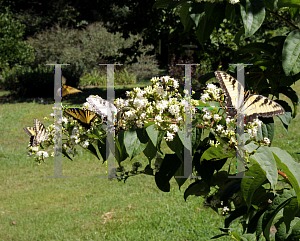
253 106
31 132
37 133
258 105
233 90
40 130
84 117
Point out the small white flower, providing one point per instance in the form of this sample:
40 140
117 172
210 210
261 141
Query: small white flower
174 128
211 87
205 97
220 127
158 118
175 84
207 117
85 144
234 1
170 136
217 117
267 140
225 209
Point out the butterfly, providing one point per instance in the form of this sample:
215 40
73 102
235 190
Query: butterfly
84 117
67 90
252 106
37 133
101 107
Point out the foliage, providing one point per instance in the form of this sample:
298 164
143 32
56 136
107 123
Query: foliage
87 48
178 72
257 202
97 78
13 51
27 82
145 67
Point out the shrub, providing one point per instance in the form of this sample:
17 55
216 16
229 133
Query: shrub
13 50
86 48
27 82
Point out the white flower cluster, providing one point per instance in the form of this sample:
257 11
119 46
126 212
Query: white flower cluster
74 136
212 93
160 103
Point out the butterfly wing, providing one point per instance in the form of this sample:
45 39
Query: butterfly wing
68 90
31 132
41 132
254 106
37 133
232 89
84 117
258 105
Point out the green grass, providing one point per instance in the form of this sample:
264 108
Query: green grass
85 207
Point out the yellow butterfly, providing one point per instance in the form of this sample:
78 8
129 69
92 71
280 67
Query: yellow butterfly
252 105
67 90
84 117
37 133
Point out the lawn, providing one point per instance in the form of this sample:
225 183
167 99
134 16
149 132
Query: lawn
86 207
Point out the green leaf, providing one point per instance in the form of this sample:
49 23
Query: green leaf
252 226
289 212
153 134
230 12
185 17
150 151
198 188
248 237
250 185
278 203
237 213
250 147
180 173
168 168
268 128
289 167
291 53
257 48
196 138
290 93
162 3
92 150
66 154
230 189
102 148
265 159
288 3
135 142
238 36
204 29
295 234
253 15
216 153
271 4
177 146
120 150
